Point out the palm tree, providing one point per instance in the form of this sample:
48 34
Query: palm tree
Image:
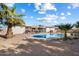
77 24
65 28
11 18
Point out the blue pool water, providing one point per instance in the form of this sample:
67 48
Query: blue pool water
48 35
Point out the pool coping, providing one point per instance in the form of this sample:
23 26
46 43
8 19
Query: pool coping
45 38
51 38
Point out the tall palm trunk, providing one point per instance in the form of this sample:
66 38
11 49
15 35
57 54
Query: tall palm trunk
65 35
9 33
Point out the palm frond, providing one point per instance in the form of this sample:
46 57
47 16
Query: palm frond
20 15
77 24
65 26
11 16
3 6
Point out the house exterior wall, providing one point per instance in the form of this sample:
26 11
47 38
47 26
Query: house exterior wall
18 30
51 29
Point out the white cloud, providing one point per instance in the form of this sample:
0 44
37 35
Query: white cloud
62 14
10 4
68 13
23 10
55 21
43 7
42 12
25 17
37 6
52 16
62 17
48 18
75 5
31 17
29 4
49 6
69 7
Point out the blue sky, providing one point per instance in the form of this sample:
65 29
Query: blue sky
48 14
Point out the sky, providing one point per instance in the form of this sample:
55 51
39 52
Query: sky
47 14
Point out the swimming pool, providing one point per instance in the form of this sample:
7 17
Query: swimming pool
48 35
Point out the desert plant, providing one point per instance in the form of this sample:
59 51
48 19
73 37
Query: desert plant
11 18
65 28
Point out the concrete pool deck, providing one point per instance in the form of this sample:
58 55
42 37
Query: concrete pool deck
20 45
